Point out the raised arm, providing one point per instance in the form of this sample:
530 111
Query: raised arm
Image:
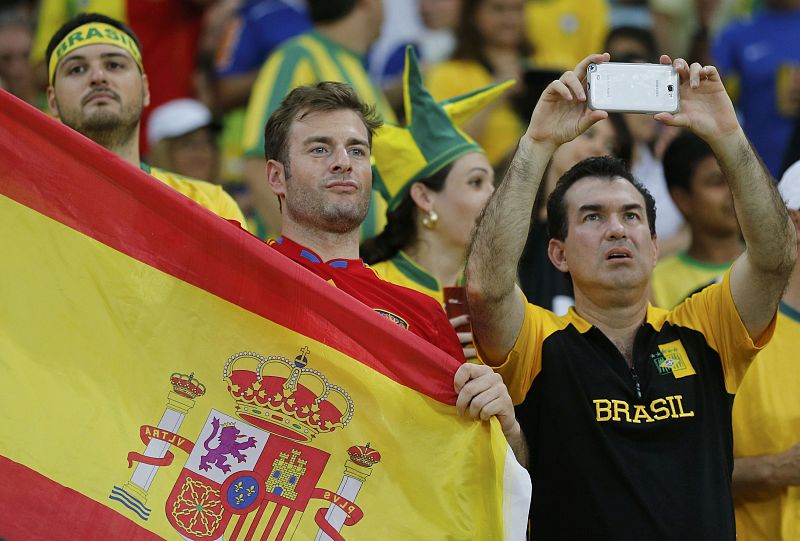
766 472
495 301
761 273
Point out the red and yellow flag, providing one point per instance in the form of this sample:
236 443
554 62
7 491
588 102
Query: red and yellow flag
163 374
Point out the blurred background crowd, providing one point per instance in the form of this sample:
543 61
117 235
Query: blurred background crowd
217 68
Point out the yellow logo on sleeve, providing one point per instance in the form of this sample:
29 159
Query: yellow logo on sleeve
674 359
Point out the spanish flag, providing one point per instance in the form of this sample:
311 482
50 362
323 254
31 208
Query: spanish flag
163 374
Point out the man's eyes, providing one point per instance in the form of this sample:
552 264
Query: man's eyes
76 69
354 151
629 216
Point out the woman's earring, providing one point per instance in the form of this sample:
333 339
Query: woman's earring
430 219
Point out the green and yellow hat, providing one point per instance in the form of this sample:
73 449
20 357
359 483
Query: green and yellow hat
431 138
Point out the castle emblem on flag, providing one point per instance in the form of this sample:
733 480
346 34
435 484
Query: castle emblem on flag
252 476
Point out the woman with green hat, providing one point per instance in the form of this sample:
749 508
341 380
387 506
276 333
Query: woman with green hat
436 180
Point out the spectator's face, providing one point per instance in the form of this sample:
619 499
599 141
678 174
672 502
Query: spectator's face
608 244
467 188
376 19
643 128
709 204
627 47
99 91
599 140
329 181
194 154
15 50
501 23
438 14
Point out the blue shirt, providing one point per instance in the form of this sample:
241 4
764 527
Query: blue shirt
755 51
260 26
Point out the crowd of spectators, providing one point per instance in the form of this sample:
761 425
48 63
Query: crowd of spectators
217 69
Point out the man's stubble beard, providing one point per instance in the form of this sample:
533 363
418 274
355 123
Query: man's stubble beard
106 128
328 218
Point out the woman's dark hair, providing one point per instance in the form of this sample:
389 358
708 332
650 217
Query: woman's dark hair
642 36
623 144
470 43
401 224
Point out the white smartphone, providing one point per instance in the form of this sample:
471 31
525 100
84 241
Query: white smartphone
633 87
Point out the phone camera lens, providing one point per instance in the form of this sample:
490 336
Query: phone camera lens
670 88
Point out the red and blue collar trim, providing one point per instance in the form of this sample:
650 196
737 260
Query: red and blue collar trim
295 251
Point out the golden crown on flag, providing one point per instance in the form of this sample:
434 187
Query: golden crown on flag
364 455
285 397
187 386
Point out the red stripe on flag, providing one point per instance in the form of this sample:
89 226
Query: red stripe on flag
260 513
27 496
239 522
286 522
63 175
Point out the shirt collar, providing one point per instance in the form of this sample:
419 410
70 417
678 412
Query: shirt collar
295 251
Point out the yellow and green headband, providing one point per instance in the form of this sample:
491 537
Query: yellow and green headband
430 139
91 34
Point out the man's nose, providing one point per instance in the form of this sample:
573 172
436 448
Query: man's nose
97 74
616 229
340 162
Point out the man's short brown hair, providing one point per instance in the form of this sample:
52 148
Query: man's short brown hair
326 96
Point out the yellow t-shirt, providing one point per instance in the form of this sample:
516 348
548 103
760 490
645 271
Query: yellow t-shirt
678 276
403 271
564 32
211 196
503 126
766 420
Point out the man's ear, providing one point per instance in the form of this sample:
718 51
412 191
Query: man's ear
557 255
52 104
276 177
422 196
655 250
145 90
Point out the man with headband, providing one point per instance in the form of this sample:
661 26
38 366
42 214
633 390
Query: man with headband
97 87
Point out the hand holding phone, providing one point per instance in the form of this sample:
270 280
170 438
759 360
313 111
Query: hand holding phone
633 87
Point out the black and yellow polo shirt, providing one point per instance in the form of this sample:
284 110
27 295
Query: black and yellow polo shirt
632 453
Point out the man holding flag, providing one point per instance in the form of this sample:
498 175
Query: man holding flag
163 374
318 145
